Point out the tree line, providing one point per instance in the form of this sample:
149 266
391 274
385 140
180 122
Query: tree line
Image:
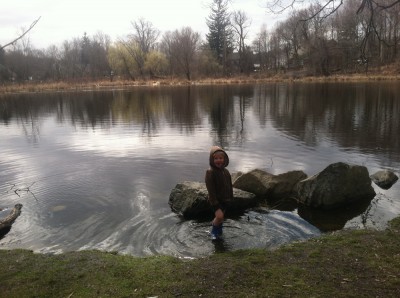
324 38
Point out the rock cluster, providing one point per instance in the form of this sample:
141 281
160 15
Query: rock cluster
337 185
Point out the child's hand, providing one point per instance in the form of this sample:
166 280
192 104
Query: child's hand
219 217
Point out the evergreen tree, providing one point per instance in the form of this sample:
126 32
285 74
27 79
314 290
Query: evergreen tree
3 69
85 51
220 32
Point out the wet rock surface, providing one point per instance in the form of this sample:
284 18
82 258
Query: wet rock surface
189 199
272 187
7 218
384 179
337 185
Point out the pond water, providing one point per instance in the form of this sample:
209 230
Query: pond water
94 169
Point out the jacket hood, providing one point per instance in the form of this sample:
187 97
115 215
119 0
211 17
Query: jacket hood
215 149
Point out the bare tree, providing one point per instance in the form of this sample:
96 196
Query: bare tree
98 63
141 42
370 8
166 48
145 35
326 7
260 47
292 38
70 59
240 24
184 47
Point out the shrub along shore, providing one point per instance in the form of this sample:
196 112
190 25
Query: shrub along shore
252 79
348 263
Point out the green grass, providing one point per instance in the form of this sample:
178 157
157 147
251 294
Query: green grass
362 263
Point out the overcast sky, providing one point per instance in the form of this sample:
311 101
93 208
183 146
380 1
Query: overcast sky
66 19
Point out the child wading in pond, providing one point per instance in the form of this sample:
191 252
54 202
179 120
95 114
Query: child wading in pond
219 186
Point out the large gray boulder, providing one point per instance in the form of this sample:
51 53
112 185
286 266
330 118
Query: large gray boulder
255 181
189 199
337 185
269 186
384 179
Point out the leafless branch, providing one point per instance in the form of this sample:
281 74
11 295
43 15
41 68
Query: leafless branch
279 6
25 189
388 5
372 7
22 35
331 11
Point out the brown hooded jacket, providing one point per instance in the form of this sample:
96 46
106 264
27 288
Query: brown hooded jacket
218 181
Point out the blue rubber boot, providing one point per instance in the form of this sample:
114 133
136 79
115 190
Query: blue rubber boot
215 232
219 230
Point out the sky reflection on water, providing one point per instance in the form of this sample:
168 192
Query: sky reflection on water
100 165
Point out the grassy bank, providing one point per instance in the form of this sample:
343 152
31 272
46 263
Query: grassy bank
362 263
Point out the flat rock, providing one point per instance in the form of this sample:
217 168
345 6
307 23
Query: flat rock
269 186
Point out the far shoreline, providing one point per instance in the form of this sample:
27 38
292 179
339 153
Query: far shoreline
106 84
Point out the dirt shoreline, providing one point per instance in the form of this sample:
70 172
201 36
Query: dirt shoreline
27 87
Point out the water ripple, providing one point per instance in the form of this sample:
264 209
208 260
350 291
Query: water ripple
191 238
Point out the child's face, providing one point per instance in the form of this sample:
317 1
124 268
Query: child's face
219 160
